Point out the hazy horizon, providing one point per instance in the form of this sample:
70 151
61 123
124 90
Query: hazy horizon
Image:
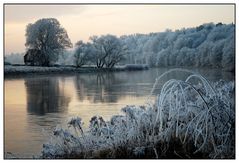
83 21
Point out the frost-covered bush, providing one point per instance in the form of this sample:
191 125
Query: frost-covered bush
191 118
197 113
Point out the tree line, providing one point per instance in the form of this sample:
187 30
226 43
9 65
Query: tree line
208 45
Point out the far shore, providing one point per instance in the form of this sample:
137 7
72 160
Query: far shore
20 70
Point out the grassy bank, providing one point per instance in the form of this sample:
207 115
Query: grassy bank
31 70
190 118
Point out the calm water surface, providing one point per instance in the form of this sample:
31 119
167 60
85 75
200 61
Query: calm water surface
34 106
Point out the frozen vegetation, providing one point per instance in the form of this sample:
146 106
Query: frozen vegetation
191 118
25 70
32 69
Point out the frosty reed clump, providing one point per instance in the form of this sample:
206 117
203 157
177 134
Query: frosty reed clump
191 118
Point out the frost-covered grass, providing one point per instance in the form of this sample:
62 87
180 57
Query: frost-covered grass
21 70
190 118
34 69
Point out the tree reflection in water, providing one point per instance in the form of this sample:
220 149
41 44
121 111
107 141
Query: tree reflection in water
45 96
100 88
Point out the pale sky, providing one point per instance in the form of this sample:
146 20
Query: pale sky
83 21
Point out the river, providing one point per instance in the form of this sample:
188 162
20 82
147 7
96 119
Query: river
35 105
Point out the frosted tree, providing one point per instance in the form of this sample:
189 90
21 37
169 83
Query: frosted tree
130 41
99 55
109 50
46 39
228 57
83 53
162 57
216 53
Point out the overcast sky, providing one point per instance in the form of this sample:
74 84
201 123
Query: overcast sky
83 21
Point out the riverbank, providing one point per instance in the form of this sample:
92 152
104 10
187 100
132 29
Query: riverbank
11 70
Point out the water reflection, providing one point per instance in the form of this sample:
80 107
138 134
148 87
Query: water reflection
45 96
99 88
215 74
29 99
